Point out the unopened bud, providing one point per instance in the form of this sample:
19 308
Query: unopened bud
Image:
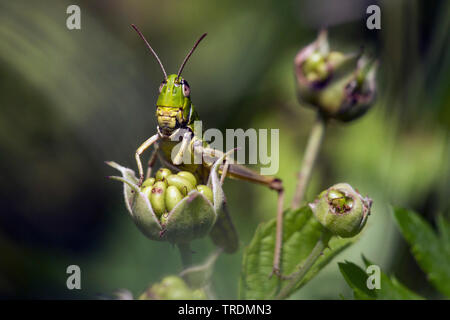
342 210
341 86
172 288
157 198
181 183
162 174
206 191
148 182
173 196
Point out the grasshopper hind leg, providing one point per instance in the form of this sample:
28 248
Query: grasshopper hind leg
151 162
279 231
241 172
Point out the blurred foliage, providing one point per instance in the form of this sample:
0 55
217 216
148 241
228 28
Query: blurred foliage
430 249
72 99
301 232
390 288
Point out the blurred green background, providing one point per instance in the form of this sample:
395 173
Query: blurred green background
71 99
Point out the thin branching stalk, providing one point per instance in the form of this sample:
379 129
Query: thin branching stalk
312 149
296 277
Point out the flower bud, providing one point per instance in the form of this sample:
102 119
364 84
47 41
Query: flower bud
157 198
164 219
162 214
173 196
147 191
181 183
206 191
148 182
172 288
162 174
341 86
342 210
188 176
350 97
315 66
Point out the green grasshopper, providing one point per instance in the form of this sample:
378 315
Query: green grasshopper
176 115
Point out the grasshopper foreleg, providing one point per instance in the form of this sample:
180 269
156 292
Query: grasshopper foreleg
139 151
178 157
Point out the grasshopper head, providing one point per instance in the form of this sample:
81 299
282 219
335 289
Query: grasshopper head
174 108
173 105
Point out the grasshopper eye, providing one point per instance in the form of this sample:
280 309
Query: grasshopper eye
186 88
161 86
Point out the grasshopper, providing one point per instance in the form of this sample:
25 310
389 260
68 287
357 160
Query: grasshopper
175 116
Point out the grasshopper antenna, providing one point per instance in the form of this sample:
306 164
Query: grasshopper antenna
151 49
190 53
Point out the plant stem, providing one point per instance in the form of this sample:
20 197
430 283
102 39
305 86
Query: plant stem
199 276
186 254
312 149
295 278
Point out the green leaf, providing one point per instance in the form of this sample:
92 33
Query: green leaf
431 250
300 235
444 231
356 278
390 287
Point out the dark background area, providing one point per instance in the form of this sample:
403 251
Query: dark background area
71 99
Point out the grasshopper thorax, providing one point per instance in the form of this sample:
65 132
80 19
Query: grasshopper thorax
173 108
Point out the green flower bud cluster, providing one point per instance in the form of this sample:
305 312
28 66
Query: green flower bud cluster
317 67
172 207
342 210
172 288
166 190
341 86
